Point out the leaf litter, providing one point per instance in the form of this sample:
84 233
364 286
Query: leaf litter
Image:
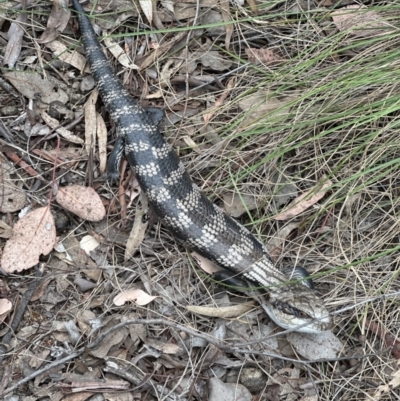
270 96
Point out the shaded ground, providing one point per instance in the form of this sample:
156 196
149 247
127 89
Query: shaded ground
263 102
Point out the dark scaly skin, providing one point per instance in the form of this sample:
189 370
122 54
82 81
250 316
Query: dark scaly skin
182 208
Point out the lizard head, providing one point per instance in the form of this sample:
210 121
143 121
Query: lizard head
296 305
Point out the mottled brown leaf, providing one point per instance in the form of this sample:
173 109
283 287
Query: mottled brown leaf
360 22
5 307
32 85
33 235
305 201
221 311
57 21
265 56
12 198
135 294
82 201
14 45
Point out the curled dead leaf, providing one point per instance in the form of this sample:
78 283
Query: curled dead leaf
274 244
119 53
305 200
324 345
223 311
73 57
5 230
56 23
162 346
88 243
236 204
82 201
139 296
14 45
65 133
12 198
205 264
32 85
138 231
102 141
5 307
147 8
266 56
360 21
90 122
33 235
257 105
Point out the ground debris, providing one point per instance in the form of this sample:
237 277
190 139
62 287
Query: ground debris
265 103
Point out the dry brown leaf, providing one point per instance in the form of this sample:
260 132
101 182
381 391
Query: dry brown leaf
205 264
220 391
169 5
386 388
162 346
157 53
113 339
82 201
258 105
118 52
14 45
359 22
215 61
33 86
305 200
137 295
71 57
133 190
41 289
138 231
221 311
33 235
57 21
90 122
226 16
220 101
65 156
88 243
5 307
12 198
265 56
274 245
65 133
72 154
389 340
192 144
102 141
253 6
235 205
5 230
324 345
147 8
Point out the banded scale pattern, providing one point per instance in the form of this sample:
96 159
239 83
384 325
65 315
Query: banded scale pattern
182 208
